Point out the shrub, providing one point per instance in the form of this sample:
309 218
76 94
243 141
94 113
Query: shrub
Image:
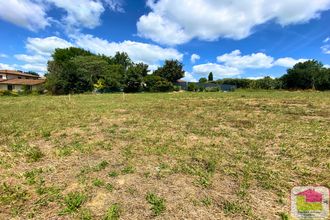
157 84
192 87
212 89
176 88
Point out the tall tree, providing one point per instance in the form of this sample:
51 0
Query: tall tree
134 77
172 70
302 75
210 78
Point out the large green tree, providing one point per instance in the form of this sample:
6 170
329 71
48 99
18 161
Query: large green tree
133 80
302 75
171 71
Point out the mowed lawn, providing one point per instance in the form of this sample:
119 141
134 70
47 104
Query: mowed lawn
161 156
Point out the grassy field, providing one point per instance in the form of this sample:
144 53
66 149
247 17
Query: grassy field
161 156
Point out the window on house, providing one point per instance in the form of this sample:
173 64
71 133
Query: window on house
20 77
10 87
0 76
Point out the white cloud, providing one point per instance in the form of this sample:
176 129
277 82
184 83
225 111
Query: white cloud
40 50
194 58
46 46
115 5
326 49
178 21
3 55
161 30
326 40
188 77
255 60
138 52
31 58
40 68
25 13
4 66
327 66
288 62
84 13
219 71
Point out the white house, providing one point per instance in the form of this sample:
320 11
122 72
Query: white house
16 81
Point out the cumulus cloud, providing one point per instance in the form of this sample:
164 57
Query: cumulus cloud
46 46
34 14
194 58
219 71
326 40
25 13
80 13
178 21
4 66
255 60
288 62
40 68
188 77
138 52
326 49
40 50
234 64
31 58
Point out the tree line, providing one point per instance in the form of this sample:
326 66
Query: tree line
75 70
306 75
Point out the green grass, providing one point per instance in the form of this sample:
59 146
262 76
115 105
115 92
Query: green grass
157 203
113 213
73 201
235 155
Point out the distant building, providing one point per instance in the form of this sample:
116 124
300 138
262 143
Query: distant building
16 81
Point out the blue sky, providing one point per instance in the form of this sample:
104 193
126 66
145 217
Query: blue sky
231 38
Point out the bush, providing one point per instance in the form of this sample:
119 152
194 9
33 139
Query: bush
192 87
176 88
212 89
157 84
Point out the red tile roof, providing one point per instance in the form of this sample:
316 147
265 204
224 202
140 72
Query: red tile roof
29 82
17 73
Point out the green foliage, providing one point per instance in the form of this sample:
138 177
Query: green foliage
113 212
157 203
322 80
134 77
73 201
203 80
266 83
210 77
212 89
98 183
302 75
172 71
64 55
192 87
157 84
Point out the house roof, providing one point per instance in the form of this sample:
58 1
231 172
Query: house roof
311 195
17 73
180 81
29 82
